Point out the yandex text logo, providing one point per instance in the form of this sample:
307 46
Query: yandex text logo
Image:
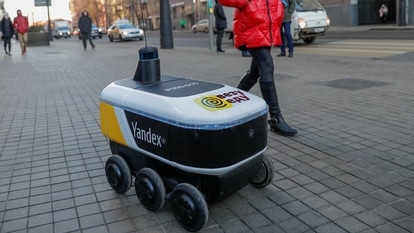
146 135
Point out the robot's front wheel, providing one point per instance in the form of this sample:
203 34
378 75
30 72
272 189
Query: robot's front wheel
118 174
265 175
150 189
189 206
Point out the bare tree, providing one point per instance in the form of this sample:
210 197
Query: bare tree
95 8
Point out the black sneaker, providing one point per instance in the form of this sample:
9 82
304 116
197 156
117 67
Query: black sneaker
281 55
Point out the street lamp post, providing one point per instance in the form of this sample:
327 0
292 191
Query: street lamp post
198 11
165 25
192 12
49 28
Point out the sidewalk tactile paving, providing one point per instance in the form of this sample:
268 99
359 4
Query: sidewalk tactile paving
350 168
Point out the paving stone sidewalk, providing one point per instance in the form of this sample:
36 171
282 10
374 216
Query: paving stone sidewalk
350 168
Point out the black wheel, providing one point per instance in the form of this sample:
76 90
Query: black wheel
189 206
118 174
206 30
150 189
265 175
110 38
309 40
194 30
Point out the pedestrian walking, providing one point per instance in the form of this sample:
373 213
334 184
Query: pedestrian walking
183 23
7 32
221 24
257 27
290 6
21 25
85 29
383 13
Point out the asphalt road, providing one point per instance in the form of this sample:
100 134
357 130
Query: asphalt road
188 38
202 40
400 34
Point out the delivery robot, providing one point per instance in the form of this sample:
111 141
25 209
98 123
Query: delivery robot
185 141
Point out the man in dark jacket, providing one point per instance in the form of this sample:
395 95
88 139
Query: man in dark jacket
85 29
221 24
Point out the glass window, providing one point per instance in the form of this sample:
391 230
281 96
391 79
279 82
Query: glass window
308 5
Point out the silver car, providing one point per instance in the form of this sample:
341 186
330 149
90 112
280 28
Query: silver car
96 32
200 26
124 30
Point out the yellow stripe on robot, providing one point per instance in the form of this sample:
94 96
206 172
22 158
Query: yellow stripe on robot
110 121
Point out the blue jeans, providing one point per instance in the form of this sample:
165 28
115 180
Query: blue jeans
286 38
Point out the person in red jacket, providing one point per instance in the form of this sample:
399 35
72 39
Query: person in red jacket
256 27
21 24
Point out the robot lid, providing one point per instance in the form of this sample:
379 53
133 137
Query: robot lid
185 102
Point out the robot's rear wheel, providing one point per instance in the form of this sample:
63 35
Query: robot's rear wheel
265 175
189 206
150 189
118 174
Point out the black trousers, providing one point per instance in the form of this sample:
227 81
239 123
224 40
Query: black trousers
262 65
87 36
7 43
220 33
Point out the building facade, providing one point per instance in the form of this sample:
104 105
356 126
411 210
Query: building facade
364 12
145 13
2 10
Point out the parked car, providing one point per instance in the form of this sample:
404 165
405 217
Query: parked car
200 26
124 30
96 32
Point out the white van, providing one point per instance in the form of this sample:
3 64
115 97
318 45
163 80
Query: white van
309 20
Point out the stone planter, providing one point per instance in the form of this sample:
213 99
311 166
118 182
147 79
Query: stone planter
38 39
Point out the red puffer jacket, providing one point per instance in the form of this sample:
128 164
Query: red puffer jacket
256 22
21 23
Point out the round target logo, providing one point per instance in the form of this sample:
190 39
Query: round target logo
213 103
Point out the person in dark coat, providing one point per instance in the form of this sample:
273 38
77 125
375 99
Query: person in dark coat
285 29
221 24
85 29
7 31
